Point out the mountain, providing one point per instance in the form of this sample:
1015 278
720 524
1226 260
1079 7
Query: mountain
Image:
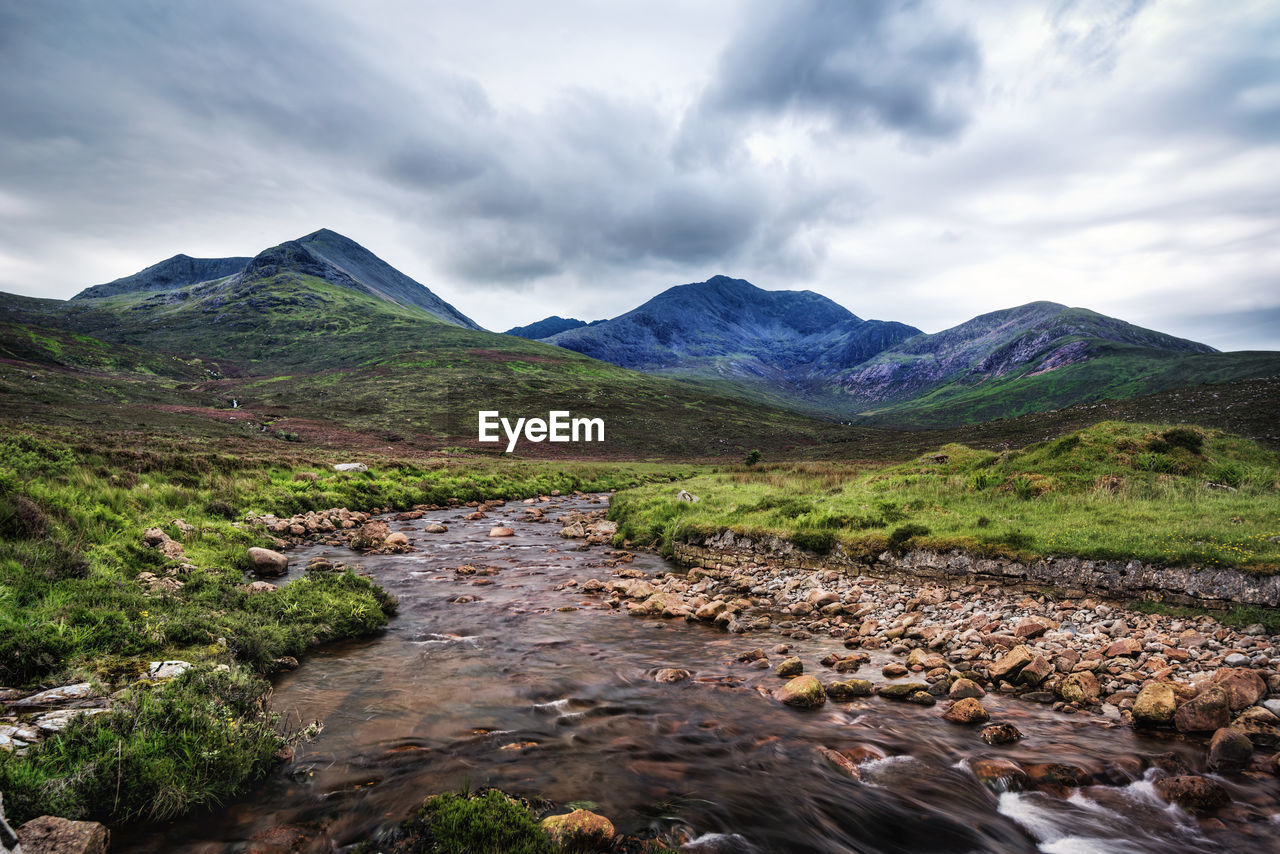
1022 341
323 254
546 327
312 341
802 350
729 329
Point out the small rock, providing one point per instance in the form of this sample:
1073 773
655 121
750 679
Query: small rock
1155 705
52 835
964 688
671 674
849 689
1203 713
789 668
803 692
1193 792
1229 751
435 528
267 562
350 467
966 711
580 830
503 531
167 669
998 734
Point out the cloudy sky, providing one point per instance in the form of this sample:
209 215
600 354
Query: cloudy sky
922 162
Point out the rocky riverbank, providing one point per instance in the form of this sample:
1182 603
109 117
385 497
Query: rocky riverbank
951 645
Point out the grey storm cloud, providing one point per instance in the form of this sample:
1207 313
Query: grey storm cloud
852 147
143 97
877 62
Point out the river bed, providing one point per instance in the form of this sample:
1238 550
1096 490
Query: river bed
542 690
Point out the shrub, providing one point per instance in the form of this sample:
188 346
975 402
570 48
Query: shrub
753 457
900 536
1184 437
487 823
1154 461
820 542
21 518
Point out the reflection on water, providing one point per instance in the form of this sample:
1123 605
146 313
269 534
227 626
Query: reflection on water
511 691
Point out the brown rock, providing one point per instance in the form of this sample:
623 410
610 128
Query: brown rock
671 674
504 531
1229 751
1204 713
1058 774
804 692
397 540
580 830
1193 793
1243 686
52 835
1033 627
966 711
1260 725
1036 671
1155 705
849 689
965 688
894 670
999 774
789 668
1079 688
1123 647
267 562
998 734
1008 665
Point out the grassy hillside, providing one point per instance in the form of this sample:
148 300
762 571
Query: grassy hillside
1117 371
321 363
1170 495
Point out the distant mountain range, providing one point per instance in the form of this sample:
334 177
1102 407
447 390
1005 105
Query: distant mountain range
800 347
321 325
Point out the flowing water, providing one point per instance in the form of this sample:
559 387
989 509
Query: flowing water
540 690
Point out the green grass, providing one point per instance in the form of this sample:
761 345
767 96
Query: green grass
73 509
1240 617
1114 490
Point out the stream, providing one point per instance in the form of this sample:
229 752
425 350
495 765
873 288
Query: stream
543 691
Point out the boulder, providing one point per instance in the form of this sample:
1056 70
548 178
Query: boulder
504 531
1205 712
350 467
79 692
1193 793
684 495
580 830
52 835
1229 751
803 692
1155 705
966 711
1079 688
435 528
1243 686
789 668
1008 665
398 540
267 562
1033 627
